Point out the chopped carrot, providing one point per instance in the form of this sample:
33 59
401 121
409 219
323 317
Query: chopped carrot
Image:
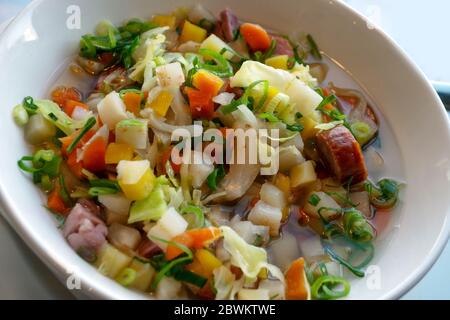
297 287
55 202
201 104
256 37
195 238
66 141
207 83
70 105
204 236
75 166
174 251
94 155
132 101
61 94
166 156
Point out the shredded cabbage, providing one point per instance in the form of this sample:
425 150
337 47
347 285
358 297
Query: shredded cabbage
250 259
53 113
223 282
152 207
301 95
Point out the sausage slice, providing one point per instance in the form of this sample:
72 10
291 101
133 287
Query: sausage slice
342 155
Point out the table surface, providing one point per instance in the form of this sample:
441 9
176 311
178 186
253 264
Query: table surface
413 26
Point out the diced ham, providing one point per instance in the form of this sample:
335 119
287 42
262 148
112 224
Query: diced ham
283 47
83 227
227 25
148 249
342 155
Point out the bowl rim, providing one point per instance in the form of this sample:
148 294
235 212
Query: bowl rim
98 291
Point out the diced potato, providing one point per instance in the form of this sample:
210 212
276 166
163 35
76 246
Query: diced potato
114 217
144 275
275 287
170 75
266 215
208 261
324 201
278 62
170 225
168 289
290 156
136 179
191 32
297 142
273 196
162 103
115 202
283 183
253 294
39 130
117 152
123 237
303 174
110 261
132 132
216 44
165 21
284 250
112 110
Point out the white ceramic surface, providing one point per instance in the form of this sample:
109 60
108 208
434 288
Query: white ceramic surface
396 85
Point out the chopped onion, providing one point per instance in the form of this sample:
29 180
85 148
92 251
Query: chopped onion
224 98
158 124
238 180
90 66
284 251
81 114
319 71
122 236
190 46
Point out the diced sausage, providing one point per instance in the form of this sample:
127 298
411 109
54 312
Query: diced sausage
342 155
283 47
227 25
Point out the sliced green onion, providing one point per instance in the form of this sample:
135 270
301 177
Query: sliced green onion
314 48
46 183
215 177
356 227
24 167
222 69
294 127
197 212
324 288
270 117
326 101
63 191
314 199
126 277
88 126
30 107
361 131
20 115
167 267
171 174
102 187
345 200
384 195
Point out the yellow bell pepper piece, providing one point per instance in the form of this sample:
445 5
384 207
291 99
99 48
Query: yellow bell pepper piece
117 152
309 127
278 62
161 103
204 263
136 179
191 32
165 21
141 189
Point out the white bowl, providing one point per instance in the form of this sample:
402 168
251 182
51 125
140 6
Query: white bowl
37 42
